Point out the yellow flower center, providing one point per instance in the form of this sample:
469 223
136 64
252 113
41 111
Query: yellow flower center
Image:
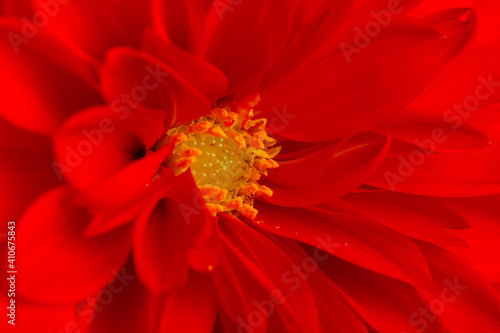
227 153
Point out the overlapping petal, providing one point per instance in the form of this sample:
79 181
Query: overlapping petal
238 40
63 258
88 25
102 148
413 170
418 217
47 80
377 298
358 240
182 22
461 296
169 234
21 179
361 87
272 269
329 172
137 79
204 76
196 297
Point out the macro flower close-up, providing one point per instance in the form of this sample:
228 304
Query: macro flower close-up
238 166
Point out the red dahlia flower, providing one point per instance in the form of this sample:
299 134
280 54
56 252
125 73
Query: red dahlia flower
250 166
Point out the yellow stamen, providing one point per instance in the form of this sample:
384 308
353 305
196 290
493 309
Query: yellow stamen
178 138
240 141
191 152
224 115
248 189
264 164
227 153
254 175
217 131
199 127
254 142
235 203
214 208
265 191
248 211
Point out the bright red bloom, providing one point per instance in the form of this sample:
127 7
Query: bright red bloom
252 166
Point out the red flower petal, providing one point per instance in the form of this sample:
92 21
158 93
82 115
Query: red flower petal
482 237
377 298
183 22
196 299
239 42
205 247
335 313
124 306
328 173
323 20
461 295
205 77
17 8
63 258
316 22
98 144
368 87
460 34
236 288
113 205
417 217
271 291
37 318
480 62
129 183
47 81
362 7
431 132
161 245
25 169
413 170
166 234
357 240
89 26
130 75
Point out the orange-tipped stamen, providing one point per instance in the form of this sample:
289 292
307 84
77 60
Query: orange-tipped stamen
227 153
